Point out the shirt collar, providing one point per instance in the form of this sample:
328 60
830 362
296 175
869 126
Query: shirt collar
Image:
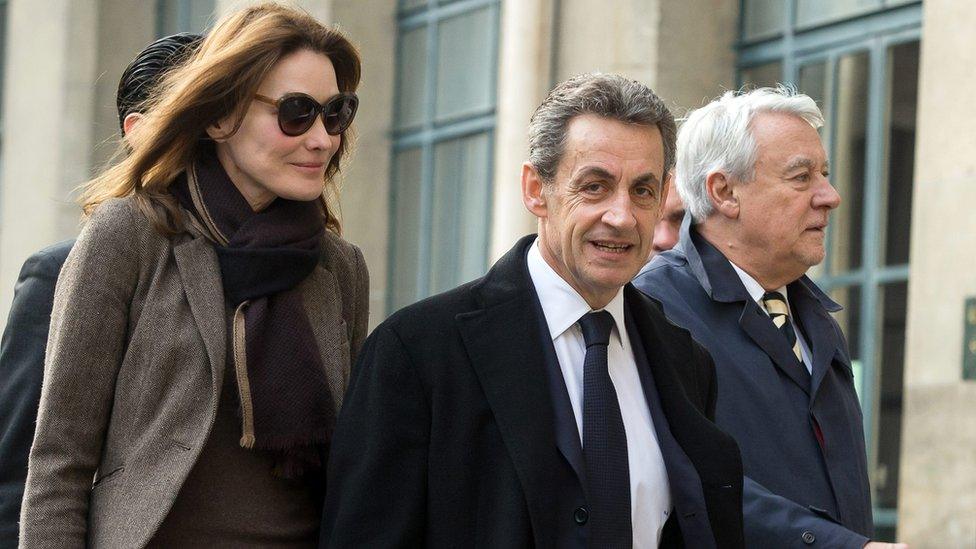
561 304
755 290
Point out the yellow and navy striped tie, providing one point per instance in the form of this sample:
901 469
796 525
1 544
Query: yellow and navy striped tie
775 305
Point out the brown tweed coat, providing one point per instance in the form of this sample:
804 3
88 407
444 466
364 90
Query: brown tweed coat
132 378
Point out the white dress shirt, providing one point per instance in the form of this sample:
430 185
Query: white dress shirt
756 292
650 493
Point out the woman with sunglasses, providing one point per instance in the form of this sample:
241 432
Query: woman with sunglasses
206 319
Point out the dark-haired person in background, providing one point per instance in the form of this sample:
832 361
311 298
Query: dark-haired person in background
667 229
25 337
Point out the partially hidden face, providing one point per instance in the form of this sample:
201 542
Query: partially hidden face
667 231
784 211
263 162
597 224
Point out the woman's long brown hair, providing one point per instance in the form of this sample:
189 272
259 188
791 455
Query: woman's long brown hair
218 80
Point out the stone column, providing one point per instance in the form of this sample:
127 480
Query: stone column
524 61
48 106
695 59
371 25
937 497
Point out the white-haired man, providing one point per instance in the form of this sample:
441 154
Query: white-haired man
753 174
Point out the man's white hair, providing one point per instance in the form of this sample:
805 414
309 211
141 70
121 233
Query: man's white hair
718 138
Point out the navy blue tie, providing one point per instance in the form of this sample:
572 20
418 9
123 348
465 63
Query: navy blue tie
604 441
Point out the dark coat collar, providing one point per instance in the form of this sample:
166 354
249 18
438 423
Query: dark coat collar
719 279
501 338
507 350
811 305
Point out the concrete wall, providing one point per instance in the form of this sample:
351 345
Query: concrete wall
321 9
696 56
371 25
683 50
58 60
937 499
524 78
684 57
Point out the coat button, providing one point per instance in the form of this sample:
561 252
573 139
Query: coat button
808 537
581 515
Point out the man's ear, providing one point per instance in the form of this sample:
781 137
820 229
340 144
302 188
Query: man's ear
533 191
721 192
130 122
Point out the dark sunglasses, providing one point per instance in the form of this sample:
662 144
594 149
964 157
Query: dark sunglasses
297 112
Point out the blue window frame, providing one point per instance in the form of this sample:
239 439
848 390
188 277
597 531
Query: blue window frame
444 119
859 60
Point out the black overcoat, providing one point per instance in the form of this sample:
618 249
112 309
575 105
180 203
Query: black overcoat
447 435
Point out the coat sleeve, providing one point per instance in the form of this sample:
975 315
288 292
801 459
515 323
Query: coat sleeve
21 372
84 353
361 323
377 474
774 521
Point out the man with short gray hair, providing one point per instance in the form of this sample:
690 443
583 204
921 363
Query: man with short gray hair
753 174
549 403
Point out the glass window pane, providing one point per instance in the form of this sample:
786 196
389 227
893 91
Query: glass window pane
201 14
813 82
847 163
815 12
411 77
167 17
769 74
889 381
763 18
902 102
407 197
184 15
411 4
464 71
462 202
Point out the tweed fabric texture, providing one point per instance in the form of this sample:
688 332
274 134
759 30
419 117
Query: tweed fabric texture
134 370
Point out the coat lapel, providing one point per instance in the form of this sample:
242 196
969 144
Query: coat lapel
502 343
320 294
567 432
718 278
197 263
763 332
810 308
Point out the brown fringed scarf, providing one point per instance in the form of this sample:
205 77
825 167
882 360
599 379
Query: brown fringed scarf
286 406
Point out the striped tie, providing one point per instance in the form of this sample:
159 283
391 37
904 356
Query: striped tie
780 314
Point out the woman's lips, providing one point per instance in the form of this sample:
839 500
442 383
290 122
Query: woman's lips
308 167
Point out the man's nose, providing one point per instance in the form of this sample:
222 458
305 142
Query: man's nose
620 211
826 195
665 236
